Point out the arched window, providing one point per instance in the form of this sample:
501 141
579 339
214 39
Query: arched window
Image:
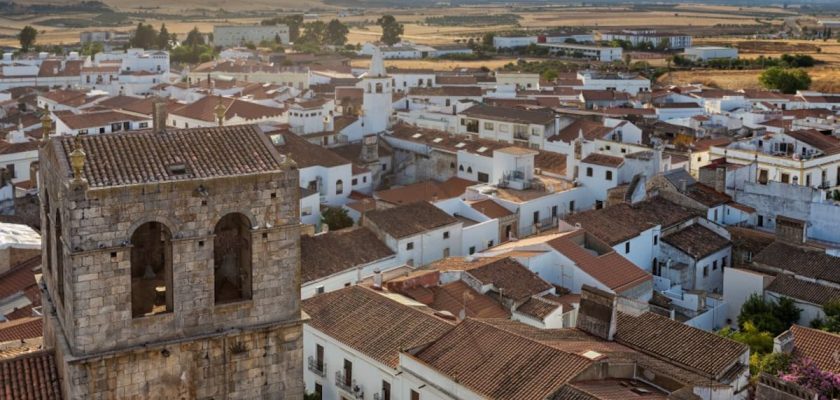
379 87
339 186
461 168
469 170
59 257
151 270
232 259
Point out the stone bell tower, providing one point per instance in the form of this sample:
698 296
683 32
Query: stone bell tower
172 265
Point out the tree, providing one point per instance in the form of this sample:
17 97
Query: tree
294 22
549 75
336 218
145 37
391 29
771 317
27 37
759 342
336 33
91 48
831 322
194 38
164 39
313 33
785 80
487 39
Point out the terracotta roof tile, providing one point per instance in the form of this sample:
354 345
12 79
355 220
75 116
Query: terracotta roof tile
501 365
590 129
490 208
97 119
813 344
204 109
789 286
603 160
510 278
336 251
620 222
456 296
809 262
371 323
697 241
447 91
304 153
425 191
538 307
696 350
606 266
112 160
21 328
32 376
19 278
539 117
410 219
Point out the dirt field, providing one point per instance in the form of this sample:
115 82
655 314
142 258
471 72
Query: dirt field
827 51
823 79
438 65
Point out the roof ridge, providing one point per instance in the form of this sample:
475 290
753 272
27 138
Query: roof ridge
483 321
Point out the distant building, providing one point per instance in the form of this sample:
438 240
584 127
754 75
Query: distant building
637 37
705 53
236 35
597 53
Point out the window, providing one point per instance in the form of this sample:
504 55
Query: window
414 395
409 246
151 270
319 357
10 168
143 125
785 178
723 262
488 126
452 165
472 250
386 391
446 252
319 290
482 177
339 186
348 373
553 211
608 175
588 171
232 258
763 176
535 131
714 265
716 215
306 211
655 240
572 206
461 168
102 130
536 217
760 220
59 257
446 235
627 248
355 181
364 179
706 271
469 170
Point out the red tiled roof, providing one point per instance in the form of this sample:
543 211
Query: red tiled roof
620 222
32 376
697 241
819 346
501 365
205 109
21 328
510 278
609 268
336 251
490 208
205 152
19 278
372 324
425 191
603 160
409 219
97 119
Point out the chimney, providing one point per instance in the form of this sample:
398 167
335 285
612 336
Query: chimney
683 185
370 149
377 279
159 117
790 230
597 313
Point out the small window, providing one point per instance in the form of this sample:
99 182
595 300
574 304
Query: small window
355 181
469 170
472 250
490 243
461 168
409 246
655 240
723 262
627 248
588 171
446 235
608 175
339 186
714 265
706 271
319 290
415 395
446 252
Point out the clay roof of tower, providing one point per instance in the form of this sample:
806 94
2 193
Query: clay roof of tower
143 157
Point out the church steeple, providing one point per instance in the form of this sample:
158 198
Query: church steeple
377 65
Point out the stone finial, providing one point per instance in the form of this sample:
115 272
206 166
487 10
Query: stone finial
46 123
288 163
77 160
220 112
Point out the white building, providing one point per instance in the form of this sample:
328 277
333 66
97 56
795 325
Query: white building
237 35
377 99
597 53
655 39
705 53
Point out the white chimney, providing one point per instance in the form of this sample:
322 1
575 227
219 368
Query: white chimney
377 279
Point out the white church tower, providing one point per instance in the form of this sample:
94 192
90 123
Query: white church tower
377 105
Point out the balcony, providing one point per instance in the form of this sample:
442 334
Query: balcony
350 387
381 396
318 368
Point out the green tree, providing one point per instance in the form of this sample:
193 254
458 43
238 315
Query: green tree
27 37
91 48
336 218
760 342
771 317
336 33
831 322
313 33
487 39
145 37
391 29
294 22
549 75
194 38
785 80
164 39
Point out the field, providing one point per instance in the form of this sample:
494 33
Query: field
825 79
